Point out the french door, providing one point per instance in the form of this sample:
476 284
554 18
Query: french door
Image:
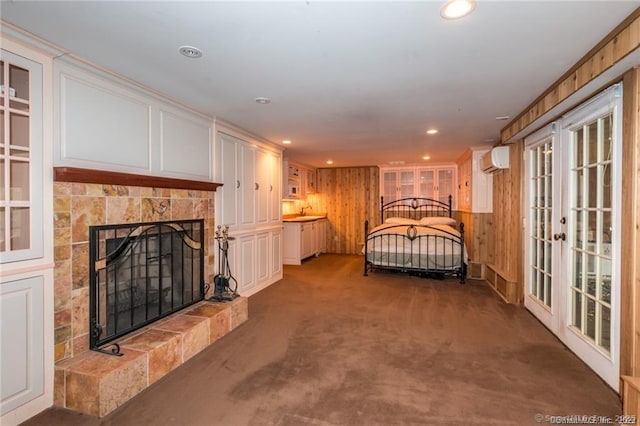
572 244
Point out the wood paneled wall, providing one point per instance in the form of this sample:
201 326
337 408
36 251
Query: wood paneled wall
349 196
478 235
624 39
507 217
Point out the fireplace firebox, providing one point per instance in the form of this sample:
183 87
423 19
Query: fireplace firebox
140 273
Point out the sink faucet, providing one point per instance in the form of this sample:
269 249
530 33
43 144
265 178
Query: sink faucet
302 210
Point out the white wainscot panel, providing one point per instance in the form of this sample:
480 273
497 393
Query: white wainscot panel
101 125
21 342
186 146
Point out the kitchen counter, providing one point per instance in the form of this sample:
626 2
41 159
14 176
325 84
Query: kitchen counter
306 218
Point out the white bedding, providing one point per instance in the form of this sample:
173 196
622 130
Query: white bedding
434 247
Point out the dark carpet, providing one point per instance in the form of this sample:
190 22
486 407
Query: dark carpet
327 346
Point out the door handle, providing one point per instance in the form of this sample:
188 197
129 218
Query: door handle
561 236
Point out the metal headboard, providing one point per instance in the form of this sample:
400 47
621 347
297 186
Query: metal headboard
414 208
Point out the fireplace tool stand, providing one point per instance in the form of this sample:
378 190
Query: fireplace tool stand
223 292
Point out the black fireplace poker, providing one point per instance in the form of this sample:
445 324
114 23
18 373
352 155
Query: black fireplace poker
223 292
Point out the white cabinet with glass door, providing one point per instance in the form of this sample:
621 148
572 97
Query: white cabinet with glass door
397 184
20 159
572 244
437 183
26 237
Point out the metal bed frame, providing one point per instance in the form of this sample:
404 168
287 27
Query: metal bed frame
415 208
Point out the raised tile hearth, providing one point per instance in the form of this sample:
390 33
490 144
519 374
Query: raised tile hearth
95 383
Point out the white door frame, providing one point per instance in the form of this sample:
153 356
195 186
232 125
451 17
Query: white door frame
547 315
558 317
607 366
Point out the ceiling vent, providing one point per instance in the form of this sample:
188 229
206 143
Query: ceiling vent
494 160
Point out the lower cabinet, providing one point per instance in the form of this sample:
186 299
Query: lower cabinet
276 253
303 240
26 345
255 260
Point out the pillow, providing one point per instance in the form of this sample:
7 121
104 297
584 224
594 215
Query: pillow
402 221
437 220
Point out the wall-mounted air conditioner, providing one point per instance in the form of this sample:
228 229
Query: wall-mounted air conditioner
494 160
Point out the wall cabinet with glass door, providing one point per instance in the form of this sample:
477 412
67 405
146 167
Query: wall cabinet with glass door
26 237
425 182
20 159
299 181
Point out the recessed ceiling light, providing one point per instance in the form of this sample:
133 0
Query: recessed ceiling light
432 131
263 101
503 117
190 51
287 142
426 157
454 9
329 162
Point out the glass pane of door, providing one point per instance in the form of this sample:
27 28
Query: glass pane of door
389 188
406 184
591 245
15 158
540 181
445 185
427 183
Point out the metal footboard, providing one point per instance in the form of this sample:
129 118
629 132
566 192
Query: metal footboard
409 248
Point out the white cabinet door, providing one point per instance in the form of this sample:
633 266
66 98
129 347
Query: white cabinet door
292 243
406 184
246 260
21 159
262 186
389 186
276 254
275 188
228 193
426 183
445 184
22 338
397 184
247 186
262 266
308 239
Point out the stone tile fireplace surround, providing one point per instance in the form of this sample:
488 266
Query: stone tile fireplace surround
174 340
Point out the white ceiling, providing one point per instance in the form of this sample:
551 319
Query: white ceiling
356 82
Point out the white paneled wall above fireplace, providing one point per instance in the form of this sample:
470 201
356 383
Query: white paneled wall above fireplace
108 123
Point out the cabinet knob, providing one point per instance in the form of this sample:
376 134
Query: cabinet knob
257 186
238 184
270 188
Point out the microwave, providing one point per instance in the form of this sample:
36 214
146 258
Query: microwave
294 190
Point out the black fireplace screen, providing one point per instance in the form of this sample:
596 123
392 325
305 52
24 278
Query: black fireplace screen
140 273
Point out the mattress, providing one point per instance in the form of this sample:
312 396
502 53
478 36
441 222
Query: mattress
435 247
